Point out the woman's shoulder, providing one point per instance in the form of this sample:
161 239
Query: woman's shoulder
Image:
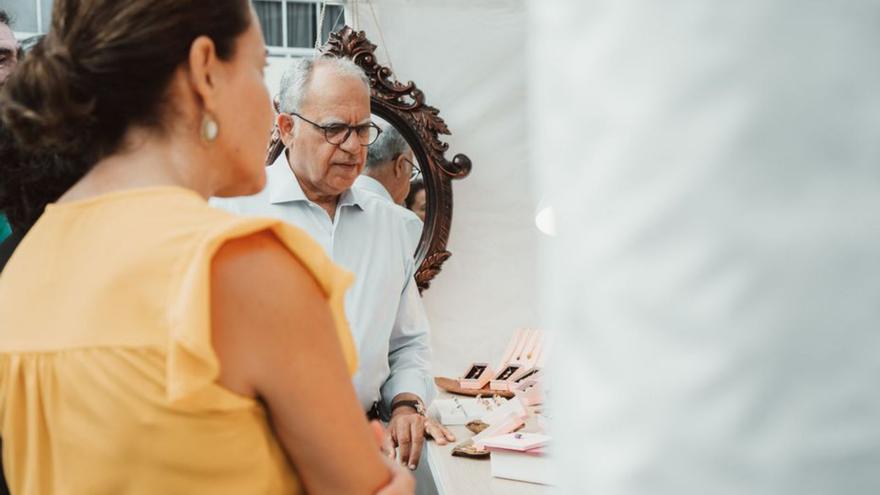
160 226
148 216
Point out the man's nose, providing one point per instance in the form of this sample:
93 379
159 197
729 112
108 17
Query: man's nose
351 144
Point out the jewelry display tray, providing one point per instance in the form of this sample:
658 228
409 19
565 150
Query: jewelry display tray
453 387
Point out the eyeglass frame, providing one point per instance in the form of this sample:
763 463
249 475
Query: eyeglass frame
416 170
349 129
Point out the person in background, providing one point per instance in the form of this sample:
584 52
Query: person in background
389 165
388 171
5 229
416 200
173 359
325 125
10 51
32 178
9 55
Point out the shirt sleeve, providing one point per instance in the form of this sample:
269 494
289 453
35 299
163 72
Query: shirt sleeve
409 354
414 228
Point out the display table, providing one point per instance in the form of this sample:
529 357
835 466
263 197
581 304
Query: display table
463 476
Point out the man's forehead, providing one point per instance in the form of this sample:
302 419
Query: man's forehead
7 39
330 75
343 107
330 90
6 35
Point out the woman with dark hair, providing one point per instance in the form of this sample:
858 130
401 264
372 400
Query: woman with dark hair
150 343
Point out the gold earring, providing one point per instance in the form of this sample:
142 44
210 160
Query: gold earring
210 128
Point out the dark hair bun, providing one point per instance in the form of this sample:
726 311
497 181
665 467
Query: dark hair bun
46 106
103 67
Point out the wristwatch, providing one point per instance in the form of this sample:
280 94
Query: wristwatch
415 404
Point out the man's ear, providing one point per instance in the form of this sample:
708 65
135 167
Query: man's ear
400 166
203 67
285 128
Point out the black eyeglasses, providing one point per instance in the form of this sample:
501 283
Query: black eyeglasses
337 134
416 171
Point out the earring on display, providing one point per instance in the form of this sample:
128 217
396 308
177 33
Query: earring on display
210 128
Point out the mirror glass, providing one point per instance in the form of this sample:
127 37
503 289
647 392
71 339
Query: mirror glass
392 171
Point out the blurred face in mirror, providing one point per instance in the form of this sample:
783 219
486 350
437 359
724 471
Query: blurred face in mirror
321 167
419 205
416 200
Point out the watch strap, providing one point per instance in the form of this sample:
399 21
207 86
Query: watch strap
415 404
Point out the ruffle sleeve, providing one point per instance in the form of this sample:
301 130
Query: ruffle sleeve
192 365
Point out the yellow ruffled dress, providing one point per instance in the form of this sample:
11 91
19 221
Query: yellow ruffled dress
107 373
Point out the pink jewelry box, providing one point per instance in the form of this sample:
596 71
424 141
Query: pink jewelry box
477 376
508 424
525 353
529 392
528 353
517 441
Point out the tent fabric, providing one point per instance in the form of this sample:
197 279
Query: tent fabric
714 168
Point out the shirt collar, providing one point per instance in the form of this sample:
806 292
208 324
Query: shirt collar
370 184
284 188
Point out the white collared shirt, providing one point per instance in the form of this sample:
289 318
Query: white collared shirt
412 221
384 310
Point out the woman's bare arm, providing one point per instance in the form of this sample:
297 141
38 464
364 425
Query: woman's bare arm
275 338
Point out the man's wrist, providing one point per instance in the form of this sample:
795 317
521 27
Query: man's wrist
407 406
403 409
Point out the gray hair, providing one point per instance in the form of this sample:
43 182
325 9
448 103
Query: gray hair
295 81
389 146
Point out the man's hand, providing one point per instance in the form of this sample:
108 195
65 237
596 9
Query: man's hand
408 430
438 432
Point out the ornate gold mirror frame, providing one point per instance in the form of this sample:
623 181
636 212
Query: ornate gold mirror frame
403 106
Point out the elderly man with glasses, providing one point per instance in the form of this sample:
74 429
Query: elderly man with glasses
324 123
10 50
388 173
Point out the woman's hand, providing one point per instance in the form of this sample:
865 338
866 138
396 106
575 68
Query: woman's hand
402 482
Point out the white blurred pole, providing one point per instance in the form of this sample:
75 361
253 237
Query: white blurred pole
715 281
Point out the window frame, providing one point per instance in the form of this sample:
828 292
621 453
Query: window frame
274 51
287 51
